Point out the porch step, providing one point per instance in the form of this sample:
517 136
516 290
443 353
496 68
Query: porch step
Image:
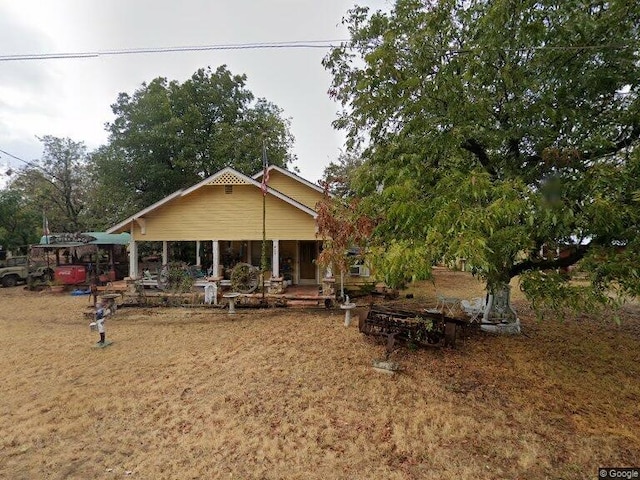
305 303
293 296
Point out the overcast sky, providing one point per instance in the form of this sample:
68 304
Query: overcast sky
72 97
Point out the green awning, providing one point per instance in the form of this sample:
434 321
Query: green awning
102 238
88 238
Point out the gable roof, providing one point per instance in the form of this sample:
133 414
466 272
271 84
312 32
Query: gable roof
226 176
292 175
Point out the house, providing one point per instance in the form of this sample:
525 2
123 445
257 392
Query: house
219 223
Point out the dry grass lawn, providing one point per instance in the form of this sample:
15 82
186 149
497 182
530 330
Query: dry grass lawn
285 393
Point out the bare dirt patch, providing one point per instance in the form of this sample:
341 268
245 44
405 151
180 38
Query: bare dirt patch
284 393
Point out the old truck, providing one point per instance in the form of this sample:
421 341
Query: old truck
19 270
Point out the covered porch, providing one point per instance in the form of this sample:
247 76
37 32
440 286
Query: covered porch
220 223
292 262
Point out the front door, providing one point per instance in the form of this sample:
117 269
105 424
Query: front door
308 255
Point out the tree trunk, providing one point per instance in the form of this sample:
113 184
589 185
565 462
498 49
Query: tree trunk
499 315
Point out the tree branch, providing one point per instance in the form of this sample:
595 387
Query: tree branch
514 148
620 145
561 262
471 145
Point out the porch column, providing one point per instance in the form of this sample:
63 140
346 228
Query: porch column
248 260
133 254
215 253
275 259
133 258
165 252
198 263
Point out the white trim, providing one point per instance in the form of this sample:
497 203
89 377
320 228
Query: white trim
133 256
143 225
250 181
293 176
275 258
211 178
215 253
143 212
206 181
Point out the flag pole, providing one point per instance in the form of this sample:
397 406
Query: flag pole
45 228
263 259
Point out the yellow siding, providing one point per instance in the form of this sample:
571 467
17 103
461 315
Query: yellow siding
351 280
209 214
294 189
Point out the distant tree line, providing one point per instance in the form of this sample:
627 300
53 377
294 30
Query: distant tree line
165 136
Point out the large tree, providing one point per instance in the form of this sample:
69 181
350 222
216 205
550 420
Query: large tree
499 131
337 175
55 185
169 135
19 223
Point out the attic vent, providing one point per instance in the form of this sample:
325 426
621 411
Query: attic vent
228 178
228 189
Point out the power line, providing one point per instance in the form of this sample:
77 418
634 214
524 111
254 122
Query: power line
281 45
17 158
189 48
33 165
26 162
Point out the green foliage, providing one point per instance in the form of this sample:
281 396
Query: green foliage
401 262
355 290
551 291
337 175
169 135
57 185
496 131
19 224
108 203
614 269
177 278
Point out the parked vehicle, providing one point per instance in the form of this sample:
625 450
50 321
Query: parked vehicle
18 270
